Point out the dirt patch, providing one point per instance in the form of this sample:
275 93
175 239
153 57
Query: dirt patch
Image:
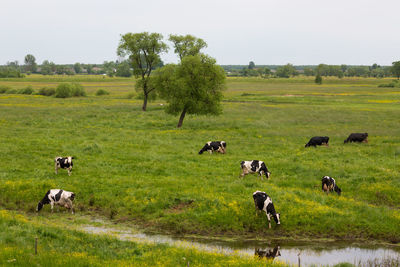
180 207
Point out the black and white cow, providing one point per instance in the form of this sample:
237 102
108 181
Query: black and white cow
263 202
318 141
63 163
254 166
329 185
58 197
357 137
269 254
211 146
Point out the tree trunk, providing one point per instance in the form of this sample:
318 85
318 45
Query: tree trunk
181 118
144 102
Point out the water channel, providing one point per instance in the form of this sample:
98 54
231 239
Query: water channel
329 253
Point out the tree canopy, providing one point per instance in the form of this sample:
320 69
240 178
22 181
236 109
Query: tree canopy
192 87
30 63
143 50
187 45
396 69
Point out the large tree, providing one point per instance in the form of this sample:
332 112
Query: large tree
30 63
396 69
194 86
187 45
143 50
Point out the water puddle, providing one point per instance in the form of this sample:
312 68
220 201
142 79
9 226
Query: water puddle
310 254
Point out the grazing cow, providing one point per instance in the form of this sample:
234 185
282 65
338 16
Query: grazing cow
64 163
318 141
263 202
253 166
58 197
211 146
269 254
357 137
329 185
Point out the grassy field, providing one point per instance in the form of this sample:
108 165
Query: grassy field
136 167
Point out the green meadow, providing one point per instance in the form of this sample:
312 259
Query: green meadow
136 167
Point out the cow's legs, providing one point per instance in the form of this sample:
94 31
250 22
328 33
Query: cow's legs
69 171
244 172
269 220
52 206
56 167
70 206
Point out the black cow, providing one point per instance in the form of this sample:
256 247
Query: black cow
211 146
357 137
58 197
254 166
64 163
263 202
329 185
318 141
269 254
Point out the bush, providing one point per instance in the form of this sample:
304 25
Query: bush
26 91
12 91
102 92
65 90
77 90
4 89
47 91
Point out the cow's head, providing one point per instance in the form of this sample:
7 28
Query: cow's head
337 190
39 206
72 197
277 218
267 174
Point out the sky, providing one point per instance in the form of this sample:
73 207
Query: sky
267 32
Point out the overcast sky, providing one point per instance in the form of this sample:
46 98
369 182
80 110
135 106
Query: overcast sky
236 31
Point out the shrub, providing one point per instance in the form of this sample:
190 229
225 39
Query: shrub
65 90
386 85
47 91
77 90
4 89
318 79
102 92
12 91
26 91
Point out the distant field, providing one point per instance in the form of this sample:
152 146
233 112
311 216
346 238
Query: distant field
135 166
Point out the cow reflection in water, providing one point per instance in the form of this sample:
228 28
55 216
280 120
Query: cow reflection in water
269 253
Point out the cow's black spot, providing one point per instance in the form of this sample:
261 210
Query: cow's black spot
58 195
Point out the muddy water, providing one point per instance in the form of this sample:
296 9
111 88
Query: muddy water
309 254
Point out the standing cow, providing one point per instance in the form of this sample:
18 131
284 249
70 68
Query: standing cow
357 137
318 141
57 197
263 202
254 166
329 185
63 163
211 146
269 254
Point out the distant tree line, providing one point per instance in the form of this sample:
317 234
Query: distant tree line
124 68
289 70
13 69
